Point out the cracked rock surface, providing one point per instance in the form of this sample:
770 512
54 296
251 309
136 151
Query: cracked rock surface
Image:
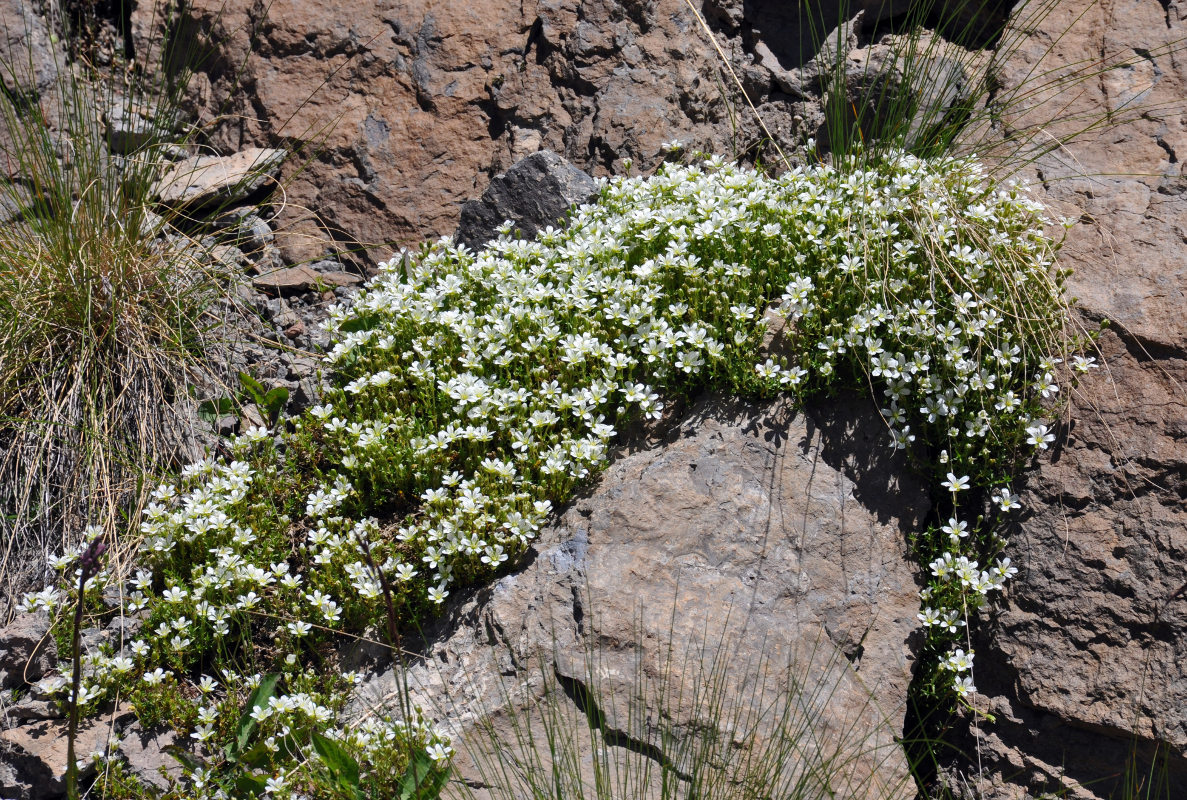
1085 662
773 538
411 107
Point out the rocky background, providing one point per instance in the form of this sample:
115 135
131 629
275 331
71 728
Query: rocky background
407 109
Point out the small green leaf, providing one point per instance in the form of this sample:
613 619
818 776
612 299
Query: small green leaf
250 785
274 403
259 756
210 410
254 388
422 781
357 324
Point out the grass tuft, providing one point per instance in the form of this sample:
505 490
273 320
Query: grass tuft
107 307
699 723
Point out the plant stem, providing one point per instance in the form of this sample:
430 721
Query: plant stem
75 685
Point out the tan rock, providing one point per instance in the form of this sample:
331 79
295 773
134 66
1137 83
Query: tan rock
1085 663
216 180
748 538
35 755
294 280
302 241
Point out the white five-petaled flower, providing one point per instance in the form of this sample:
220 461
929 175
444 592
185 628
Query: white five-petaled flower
955 484
1006 501
275 783
299 628
959 661
156 677
439 752
1039 436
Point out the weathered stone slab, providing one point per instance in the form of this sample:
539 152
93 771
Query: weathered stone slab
217 180
772 540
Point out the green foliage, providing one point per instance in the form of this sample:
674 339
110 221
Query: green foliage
474 392
343 770
107 303
259 698
210 410
270 401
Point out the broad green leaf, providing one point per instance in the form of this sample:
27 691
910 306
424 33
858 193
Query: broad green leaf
253 388
357 324
422 781
274 403
251 785
258 756
211 410
342 766
247 726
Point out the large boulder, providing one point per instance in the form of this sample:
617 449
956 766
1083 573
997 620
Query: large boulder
28 61
1085 662
27 650
405 112
771 540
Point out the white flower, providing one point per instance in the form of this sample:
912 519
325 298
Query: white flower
929 616
955 484
439 752
1005 500
1039 437
768 369
156 677
956 529
203 732
959 661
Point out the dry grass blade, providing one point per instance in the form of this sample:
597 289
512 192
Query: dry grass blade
105 321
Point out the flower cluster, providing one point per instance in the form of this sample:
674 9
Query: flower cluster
474 391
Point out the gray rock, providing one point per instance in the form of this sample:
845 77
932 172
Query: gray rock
307 393
202 181
131 127
772 539
296 280
30 64
145 756
253 234
32 710
14 199
536 192
27 651
228 256
882 86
